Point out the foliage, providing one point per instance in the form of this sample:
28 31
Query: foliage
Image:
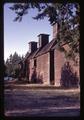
12 64
66 15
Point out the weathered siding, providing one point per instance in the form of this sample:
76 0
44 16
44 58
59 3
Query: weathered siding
48 73
76 68
59 60
43 68
31 65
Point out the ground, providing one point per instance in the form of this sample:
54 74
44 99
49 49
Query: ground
42 102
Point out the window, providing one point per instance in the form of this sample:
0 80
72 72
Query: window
35 63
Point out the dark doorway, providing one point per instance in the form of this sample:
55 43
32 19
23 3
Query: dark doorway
35 63
52 82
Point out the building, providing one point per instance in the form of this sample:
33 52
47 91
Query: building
47 64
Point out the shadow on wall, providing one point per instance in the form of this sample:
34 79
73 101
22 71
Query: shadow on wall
68 77
34 78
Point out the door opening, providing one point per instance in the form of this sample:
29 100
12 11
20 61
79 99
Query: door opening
52 81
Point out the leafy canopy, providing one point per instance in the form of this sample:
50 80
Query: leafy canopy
66 15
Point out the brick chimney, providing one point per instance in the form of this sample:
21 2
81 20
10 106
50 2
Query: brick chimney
55 29
43 40
32 46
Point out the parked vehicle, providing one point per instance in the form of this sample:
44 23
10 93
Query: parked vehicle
8 78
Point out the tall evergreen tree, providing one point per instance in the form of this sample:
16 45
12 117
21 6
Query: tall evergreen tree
12 63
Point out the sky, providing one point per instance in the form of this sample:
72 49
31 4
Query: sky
17 35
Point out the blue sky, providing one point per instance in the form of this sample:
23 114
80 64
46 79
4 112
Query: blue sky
18 34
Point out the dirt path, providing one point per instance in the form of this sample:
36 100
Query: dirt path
42 102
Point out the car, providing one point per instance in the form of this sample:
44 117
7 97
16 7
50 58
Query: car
8 78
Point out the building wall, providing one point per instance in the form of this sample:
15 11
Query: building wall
75 67
43 68
27 69
59 60
31 65
55 30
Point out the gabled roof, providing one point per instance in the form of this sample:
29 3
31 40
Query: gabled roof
46 48
41 51
32 55
27 55
36 52
63 44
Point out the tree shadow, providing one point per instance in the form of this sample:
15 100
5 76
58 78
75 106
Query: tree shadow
40 79
35 78
68 77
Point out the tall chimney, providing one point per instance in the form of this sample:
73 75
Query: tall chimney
55 29
32 46
43 40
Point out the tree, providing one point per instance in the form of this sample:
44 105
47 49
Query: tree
12 64
9 67
65 14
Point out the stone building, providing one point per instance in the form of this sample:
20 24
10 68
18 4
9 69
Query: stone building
46 63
